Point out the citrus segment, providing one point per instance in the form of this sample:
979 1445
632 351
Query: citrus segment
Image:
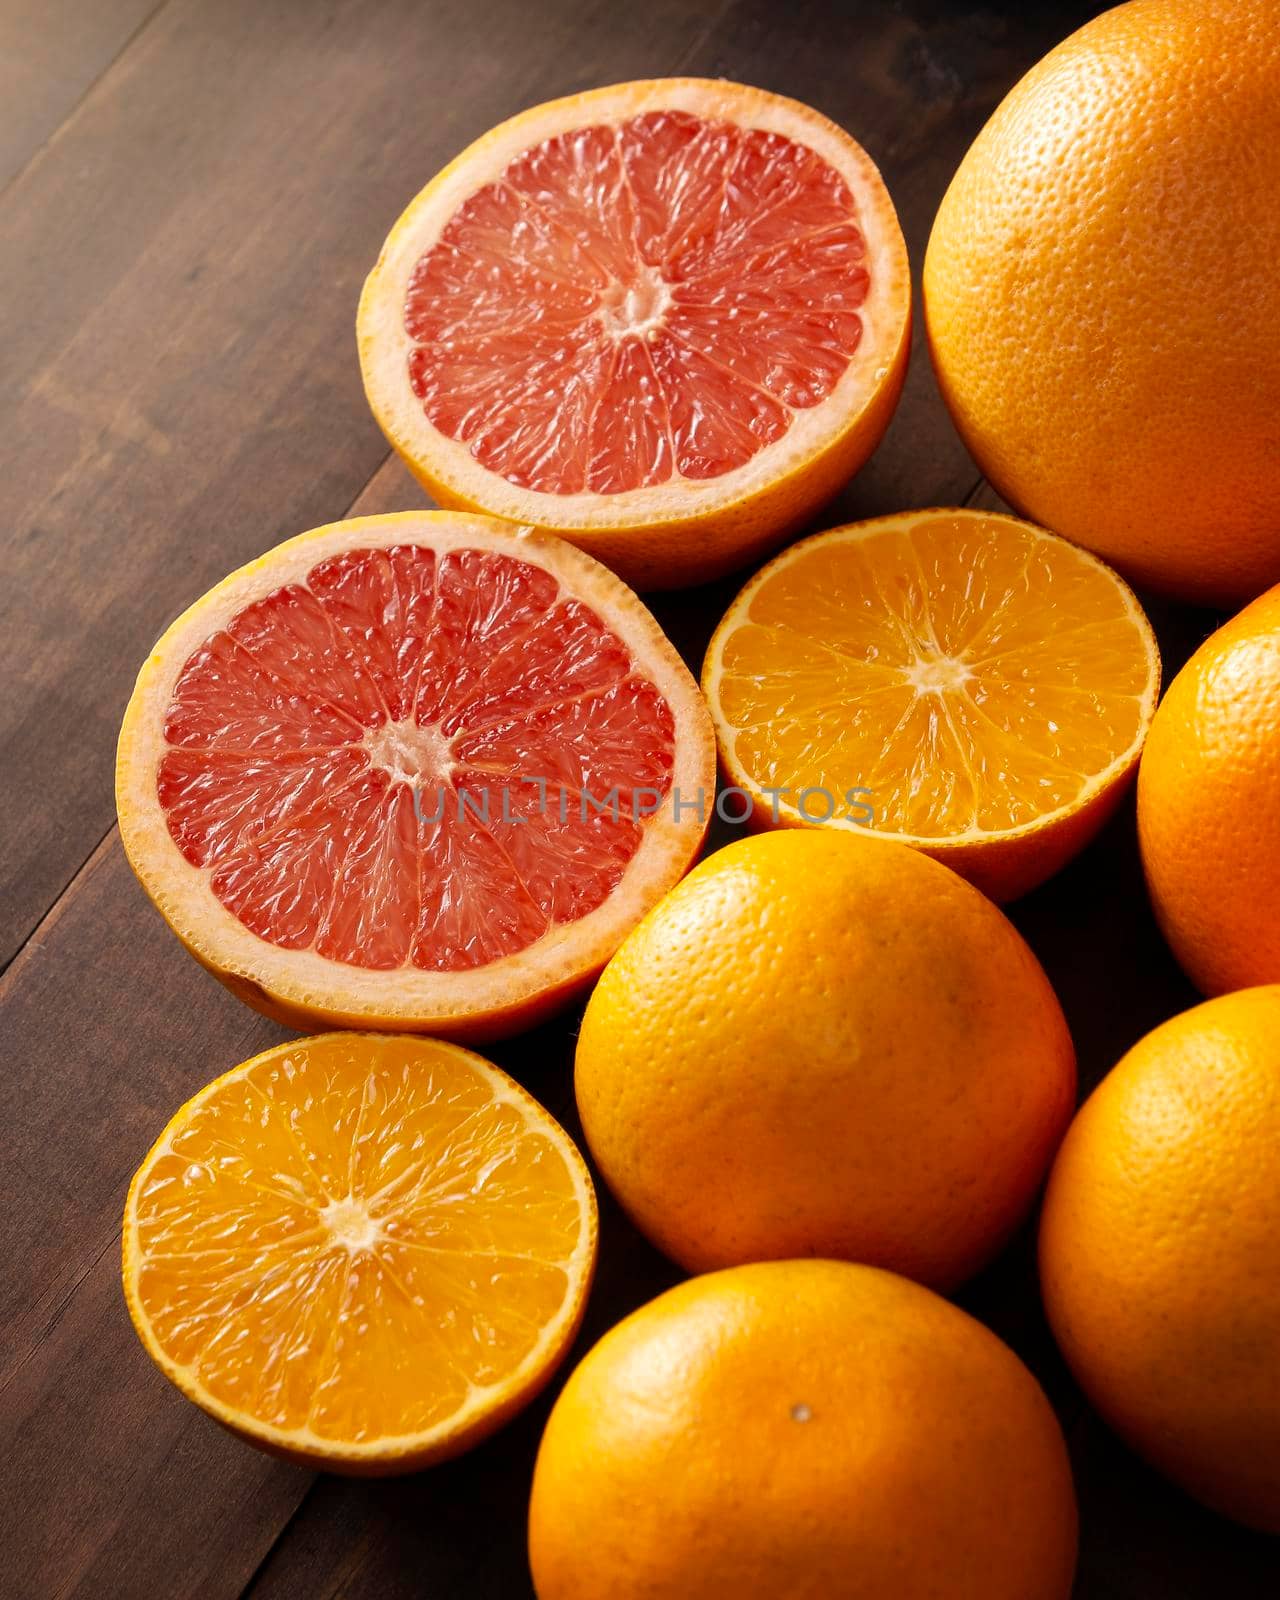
361 1250
418 747
619 310
957 680
370 787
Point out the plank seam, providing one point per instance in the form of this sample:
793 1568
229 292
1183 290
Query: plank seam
974 492
58 1312
89 89
252 1581
31 942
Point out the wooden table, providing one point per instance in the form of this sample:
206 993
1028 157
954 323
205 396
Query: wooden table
192 193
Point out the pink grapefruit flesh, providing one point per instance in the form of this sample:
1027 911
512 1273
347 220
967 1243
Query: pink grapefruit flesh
410 760
631 303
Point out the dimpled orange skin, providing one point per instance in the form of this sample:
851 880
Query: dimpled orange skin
822 1044
1209 805
1160 1251
1102 300
801 1431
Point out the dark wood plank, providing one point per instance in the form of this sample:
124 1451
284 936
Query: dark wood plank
51 54
143 480
392 488
181 272
114 1484
110 1026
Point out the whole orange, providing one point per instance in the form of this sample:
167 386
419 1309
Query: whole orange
1160 1251
825 1044
801 1431
1209 805
1102 299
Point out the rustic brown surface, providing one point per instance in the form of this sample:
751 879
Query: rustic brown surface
190 193
51 54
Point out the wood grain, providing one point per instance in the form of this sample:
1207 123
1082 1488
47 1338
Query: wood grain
52 52
116 1027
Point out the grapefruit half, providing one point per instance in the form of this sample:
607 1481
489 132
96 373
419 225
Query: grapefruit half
666 320
420 771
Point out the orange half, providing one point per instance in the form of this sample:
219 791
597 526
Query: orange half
959 680
360 1251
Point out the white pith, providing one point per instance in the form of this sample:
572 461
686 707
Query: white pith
350 1225
936 674
638 307
411 754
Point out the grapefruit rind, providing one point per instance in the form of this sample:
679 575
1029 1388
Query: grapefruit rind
486 1409
303 990
685 530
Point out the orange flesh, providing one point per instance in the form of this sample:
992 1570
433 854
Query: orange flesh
413 760
974 676
351 1237
628 305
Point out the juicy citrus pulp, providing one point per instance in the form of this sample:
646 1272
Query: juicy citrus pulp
616 302
348 758
958 680
362 1250
406 752
696 285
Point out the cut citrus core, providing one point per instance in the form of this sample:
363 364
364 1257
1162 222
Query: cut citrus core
361 1250
654 306
415 771
957 680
